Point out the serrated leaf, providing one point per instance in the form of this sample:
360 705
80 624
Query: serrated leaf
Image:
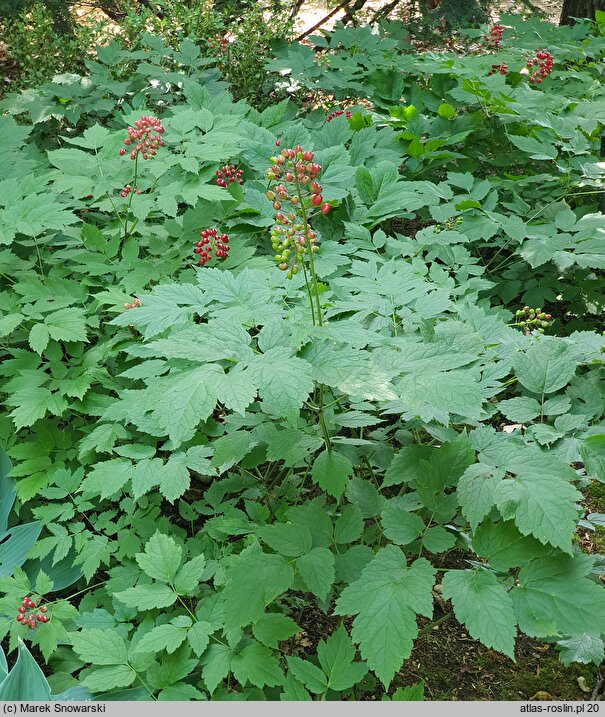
386 599
504 546
316 568
106 478
100 647
547 366
254 581
162 637
483 606
284 382
554 597
147 597
349 525
308 674
189 575
258 666
585 648
199 636
38 338
287 539
66 325
161 558
542 506
477 492
184 400
336 656
331 470
400 525
217 665
273 628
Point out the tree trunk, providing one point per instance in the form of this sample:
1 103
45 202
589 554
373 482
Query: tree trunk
580 8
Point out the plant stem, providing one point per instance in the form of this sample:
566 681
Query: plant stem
433 624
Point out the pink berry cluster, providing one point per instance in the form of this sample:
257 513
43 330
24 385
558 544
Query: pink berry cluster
229 174
212 241
135 304
27 615
494 38
145 138
338 113
292 237
528 319
502 68
544 61
128 189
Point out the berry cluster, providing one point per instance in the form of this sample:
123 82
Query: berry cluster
502 69
494 38
135 304
212 241
146 137
218 44
529 319
545 61
292 237
229 174
337 113
27 616
127 189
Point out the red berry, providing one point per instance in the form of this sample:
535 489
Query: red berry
317 200
325 208
122 152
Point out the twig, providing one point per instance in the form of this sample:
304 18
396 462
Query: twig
597 688
329 16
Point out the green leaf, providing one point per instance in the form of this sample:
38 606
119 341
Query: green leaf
504 546
258 666
161 558
254 581
273 628
15 545
413 693
316 568
541 505
477 492
336 656
38 338
108 678
100 647
147 597
585 648
286 538
485 608
554 597
66 325
26 681
7 491
294 690
521 409
331 471
437 539
217 665
386 599
107 478
308 674
349 525
547 366
199 636
399 525
184 400
162 637
189 575
284 382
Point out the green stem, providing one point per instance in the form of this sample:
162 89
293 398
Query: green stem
433 624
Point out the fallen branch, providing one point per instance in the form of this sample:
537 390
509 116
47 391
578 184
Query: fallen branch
329 16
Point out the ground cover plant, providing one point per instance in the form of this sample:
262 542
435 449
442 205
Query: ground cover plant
346 359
